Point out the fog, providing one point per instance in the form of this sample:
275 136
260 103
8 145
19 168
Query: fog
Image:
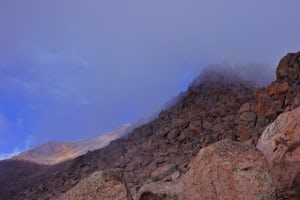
72 69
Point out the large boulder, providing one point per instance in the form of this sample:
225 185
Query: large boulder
228 170
280 144
101 185
224 170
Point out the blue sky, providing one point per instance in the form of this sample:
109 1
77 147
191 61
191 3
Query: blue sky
72 69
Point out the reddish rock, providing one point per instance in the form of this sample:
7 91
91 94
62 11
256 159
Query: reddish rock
280 144
246 124
228 170
277 88
289 67
280 96
271 100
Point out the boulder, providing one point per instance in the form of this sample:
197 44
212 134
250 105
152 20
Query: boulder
224 170
280 144
106 184
228 170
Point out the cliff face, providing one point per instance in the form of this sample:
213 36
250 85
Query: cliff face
160 154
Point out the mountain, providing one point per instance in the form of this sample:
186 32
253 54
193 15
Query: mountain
53 152
203 146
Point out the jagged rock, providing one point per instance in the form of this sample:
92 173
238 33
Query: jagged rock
280 96
280 144
228 170
107 184
289 67
280 93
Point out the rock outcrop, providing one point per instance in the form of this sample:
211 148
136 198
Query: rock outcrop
268 103
280 96
228 170
280 143
289 67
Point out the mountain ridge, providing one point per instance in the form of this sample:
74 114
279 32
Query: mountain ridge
54 152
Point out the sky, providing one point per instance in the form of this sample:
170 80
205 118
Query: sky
74 69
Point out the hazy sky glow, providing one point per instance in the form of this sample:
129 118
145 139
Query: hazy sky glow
72 69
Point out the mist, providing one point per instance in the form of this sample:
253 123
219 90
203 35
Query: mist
72 69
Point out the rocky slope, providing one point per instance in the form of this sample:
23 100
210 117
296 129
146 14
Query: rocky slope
166 154
204 114
224 170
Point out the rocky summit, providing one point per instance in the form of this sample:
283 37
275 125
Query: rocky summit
223 138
